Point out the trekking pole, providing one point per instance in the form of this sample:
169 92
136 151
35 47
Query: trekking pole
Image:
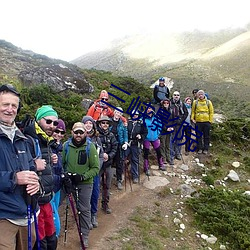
37 232
66 222
104 187
29 222
75 217
171 149
128 173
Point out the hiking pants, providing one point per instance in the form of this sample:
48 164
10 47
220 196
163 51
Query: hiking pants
82 197
55 206
176 137
106 173
186 130
118 162
134 151
95 194
15 237
156 145
165 146
203 141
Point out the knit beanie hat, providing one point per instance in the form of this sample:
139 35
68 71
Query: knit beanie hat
45 110
188 98
201 92
61 125
88 118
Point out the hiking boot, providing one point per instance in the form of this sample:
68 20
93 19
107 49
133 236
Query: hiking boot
94 220
106 208
162 166
199 151
135 180
147 172
85 242
205 152
178 157
119 185
187 153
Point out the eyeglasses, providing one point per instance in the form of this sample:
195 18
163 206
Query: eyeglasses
49 121
176 95
78 132
165 102
57 131
105 123
104 99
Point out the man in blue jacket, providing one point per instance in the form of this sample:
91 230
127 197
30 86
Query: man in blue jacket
17 178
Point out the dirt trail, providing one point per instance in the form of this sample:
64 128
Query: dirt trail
122 204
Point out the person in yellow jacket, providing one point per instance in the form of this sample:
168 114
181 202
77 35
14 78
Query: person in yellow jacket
202 117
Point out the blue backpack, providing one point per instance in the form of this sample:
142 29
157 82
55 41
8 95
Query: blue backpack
66 147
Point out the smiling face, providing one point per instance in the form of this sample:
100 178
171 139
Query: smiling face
48 124
9 103
88 125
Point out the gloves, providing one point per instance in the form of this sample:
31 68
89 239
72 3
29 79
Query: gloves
138 136
125 146
67 184
76 178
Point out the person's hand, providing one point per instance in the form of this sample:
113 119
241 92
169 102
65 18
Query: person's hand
138 136
40 164
76 178
170 129
105 157
54 158
30 179
193 121
125 146
67 184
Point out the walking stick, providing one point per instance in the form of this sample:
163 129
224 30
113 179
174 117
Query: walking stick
66 222
29 222
104 187
127 173
75 217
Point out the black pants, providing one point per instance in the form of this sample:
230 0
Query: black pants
203 141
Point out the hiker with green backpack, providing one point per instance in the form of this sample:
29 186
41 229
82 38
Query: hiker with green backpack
202 117
81 163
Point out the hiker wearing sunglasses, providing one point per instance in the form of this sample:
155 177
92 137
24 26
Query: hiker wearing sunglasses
39 133
109 145
17 175
100 108
180 113
81 163
57 169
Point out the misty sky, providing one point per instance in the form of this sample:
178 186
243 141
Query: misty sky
68 29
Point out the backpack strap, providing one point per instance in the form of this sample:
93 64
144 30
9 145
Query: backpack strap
36 146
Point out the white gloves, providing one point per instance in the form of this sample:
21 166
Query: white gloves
125 146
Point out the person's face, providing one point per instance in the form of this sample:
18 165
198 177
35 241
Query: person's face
188 101
78 135
88 125
104 125
58 134
117 114
176 96
9 103
201 95
48 124
161 83
166 104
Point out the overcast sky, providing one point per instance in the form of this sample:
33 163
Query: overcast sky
66 29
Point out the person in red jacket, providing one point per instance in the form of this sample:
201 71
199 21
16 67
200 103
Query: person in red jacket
99 108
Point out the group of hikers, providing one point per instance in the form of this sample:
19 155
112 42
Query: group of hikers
39 167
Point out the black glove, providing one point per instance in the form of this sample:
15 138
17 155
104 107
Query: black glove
76 178
67 184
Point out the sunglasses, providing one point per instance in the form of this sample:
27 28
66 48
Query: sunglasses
105 123
57 131
104 99
49 121
176 95
78 132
